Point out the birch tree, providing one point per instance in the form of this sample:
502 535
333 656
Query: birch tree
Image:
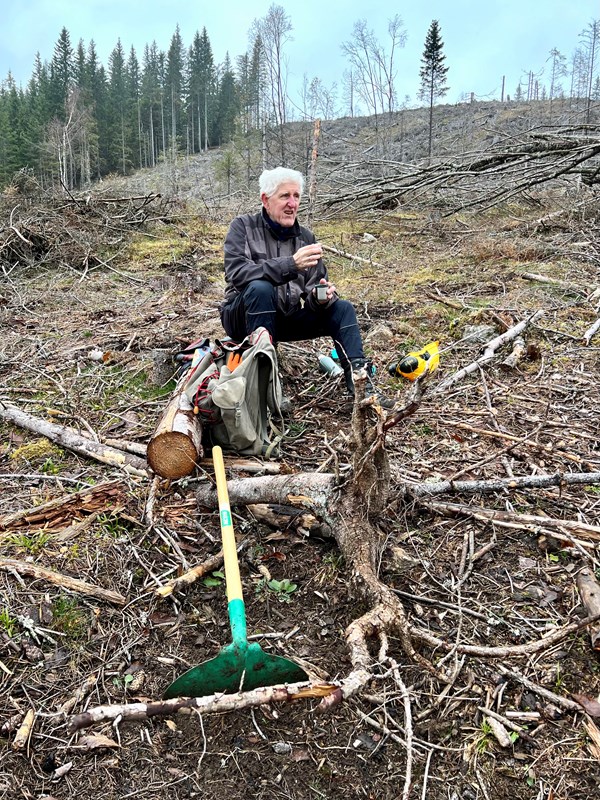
274 31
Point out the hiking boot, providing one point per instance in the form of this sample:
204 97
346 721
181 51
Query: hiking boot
357 364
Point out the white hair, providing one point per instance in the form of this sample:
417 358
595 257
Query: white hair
271 179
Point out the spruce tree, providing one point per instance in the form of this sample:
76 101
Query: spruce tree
227 105
151 102
61 74
174 90
433 72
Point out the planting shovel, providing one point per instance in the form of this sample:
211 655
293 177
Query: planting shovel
241 665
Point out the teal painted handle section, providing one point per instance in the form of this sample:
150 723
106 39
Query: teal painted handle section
237 621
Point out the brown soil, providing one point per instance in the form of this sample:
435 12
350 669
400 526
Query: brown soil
57 315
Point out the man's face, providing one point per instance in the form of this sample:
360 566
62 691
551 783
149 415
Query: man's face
283 204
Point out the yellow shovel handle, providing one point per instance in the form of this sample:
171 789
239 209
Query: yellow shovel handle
232 569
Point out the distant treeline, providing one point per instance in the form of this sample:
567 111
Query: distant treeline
77 121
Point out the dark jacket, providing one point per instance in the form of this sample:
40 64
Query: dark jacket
254 252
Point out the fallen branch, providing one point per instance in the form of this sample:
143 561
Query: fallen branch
419 490
592 331
561 702
214 562
489 352
24 731
529 648
521 441
352 257
509 519
534 276
493 716
73 440
213 704
56 578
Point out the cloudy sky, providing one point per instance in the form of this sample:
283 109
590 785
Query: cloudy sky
484 40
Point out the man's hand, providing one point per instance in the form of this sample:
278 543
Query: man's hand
308 256
331 290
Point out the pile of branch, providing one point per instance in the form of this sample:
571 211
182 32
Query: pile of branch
72 230
475 179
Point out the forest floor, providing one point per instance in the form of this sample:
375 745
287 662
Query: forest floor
78 337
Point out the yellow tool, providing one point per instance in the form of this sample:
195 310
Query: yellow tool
415 363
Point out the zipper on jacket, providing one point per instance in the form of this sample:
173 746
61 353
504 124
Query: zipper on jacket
287 286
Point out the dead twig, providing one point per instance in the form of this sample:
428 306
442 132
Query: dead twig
489 352
213 704
503 652
71 584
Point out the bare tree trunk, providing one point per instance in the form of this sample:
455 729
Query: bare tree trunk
312 184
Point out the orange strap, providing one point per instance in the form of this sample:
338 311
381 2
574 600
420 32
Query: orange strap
233 360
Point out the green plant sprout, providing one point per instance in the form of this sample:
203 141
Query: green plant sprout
282 589
7 622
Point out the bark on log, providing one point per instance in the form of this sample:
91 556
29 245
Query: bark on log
312 488
73 440
176 444
589 591
24 732
67 506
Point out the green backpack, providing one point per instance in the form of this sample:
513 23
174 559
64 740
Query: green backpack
235 389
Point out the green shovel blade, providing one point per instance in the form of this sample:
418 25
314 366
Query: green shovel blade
240 666
232 671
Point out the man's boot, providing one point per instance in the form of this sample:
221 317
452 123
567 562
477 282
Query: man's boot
356 364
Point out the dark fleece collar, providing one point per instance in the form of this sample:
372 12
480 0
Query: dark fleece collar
280 232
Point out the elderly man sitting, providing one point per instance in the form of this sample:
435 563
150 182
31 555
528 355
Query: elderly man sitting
276 279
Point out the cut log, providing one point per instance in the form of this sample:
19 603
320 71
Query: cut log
176 444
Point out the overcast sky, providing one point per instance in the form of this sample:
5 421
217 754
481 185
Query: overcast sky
483 39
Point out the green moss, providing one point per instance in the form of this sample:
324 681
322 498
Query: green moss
38 451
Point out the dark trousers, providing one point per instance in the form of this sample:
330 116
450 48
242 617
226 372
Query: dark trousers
256 307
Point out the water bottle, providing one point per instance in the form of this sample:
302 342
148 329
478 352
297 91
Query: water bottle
328 365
